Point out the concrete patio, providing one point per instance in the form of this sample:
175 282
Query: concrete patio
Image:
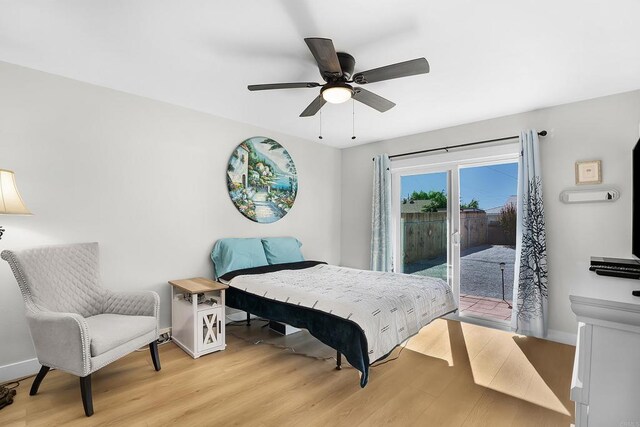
480 279
485 307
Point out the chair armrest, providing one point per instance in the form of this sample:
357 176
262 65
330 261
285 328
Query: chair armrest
61 340
135 303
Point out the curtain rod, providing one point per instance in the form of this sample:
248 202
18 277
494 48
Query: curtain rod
468 144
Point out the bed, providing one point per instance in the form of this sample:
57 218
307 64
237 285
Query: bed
362 314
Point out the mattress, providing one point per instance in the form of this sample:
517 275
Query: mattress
388 307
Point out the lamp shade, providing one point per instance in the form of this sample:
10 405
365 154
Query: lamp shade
10 200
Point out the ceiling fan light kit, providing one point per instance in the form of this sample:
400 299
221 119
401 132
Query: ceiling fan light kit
336 69
336 93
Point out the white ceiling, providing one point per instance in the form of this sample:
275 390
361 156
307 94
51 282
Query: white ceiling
488 58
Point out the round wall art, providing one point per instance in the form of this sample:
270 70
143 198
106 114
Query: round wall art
262 179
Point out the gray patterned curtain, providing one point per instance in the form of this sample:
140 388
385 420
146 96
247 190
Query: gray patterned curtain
381 245
530 288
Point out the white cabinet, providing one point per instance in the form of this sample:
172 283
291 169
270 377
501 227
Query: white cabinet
606 374
197 315
210 329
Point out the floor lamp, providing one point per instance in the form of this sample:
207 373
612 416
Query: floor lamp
10 201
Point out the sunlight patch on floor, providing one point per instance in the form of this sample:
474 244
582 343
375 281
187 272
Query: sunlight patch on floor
494 359
435 344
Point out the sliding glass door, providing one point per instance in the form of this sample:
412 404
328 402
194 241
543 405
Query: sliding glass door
488 219
456 221
423 206
425 224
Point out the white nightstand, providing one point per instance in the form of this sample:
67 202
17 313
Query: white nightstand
198 327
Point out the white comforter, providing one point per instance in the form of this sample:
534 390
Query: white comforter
389 307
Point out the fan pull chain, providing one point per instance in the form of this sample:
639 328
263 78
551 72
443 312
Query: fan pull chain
320 136
353 119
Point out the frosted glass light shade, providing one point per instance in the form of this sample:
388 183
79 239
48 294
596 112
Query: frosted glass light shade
10 200
337 94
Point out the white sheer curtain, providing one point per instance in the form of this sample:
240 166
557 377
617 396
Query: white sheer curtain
381 227
530 292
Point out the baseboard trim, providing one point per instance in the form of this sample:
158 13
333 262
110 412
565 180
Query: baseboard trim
14 371
562 337
552 334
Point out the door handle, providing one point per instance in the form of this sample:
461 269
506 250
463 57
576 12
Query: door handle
456 238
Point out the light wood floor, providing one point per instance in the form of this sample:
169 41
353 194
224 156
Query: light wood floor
451 374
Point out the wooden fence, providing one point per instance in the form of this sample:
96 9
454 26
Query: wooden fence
424 234
497 236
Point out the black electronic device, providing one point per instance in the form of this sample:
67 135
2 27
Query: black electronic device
614 263
635 215
616 267
618 273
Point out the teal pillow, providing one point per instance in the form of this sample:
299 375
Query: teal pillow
235 254
280 250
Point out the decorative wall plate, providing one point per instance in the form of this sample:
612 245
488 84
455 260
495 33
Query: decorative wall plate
262 179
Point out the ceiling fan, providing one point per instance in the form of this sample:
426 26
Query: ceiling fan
336 68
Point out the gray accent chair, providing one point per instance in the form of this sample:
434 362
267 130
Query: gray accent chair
77 325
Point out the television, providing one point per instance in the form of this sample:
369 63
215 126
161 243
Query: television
635 233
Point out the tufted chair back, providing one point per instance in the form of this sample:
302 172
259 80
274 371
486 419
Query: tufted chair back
63 278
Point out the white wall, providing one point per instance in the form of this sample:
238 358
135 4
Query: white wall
145 179
604 128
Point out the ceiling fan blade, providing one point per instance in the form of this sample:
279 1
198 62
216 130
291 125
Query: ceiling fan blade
283 86
393 71
314 107
326 56
372 100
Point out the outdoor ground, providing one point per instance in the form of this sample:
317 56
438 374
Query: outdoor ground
480 273
485 307
480 278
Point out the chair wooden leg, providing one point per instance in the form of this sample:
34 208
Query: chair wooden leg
338 360
155 357
87 399
44 370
